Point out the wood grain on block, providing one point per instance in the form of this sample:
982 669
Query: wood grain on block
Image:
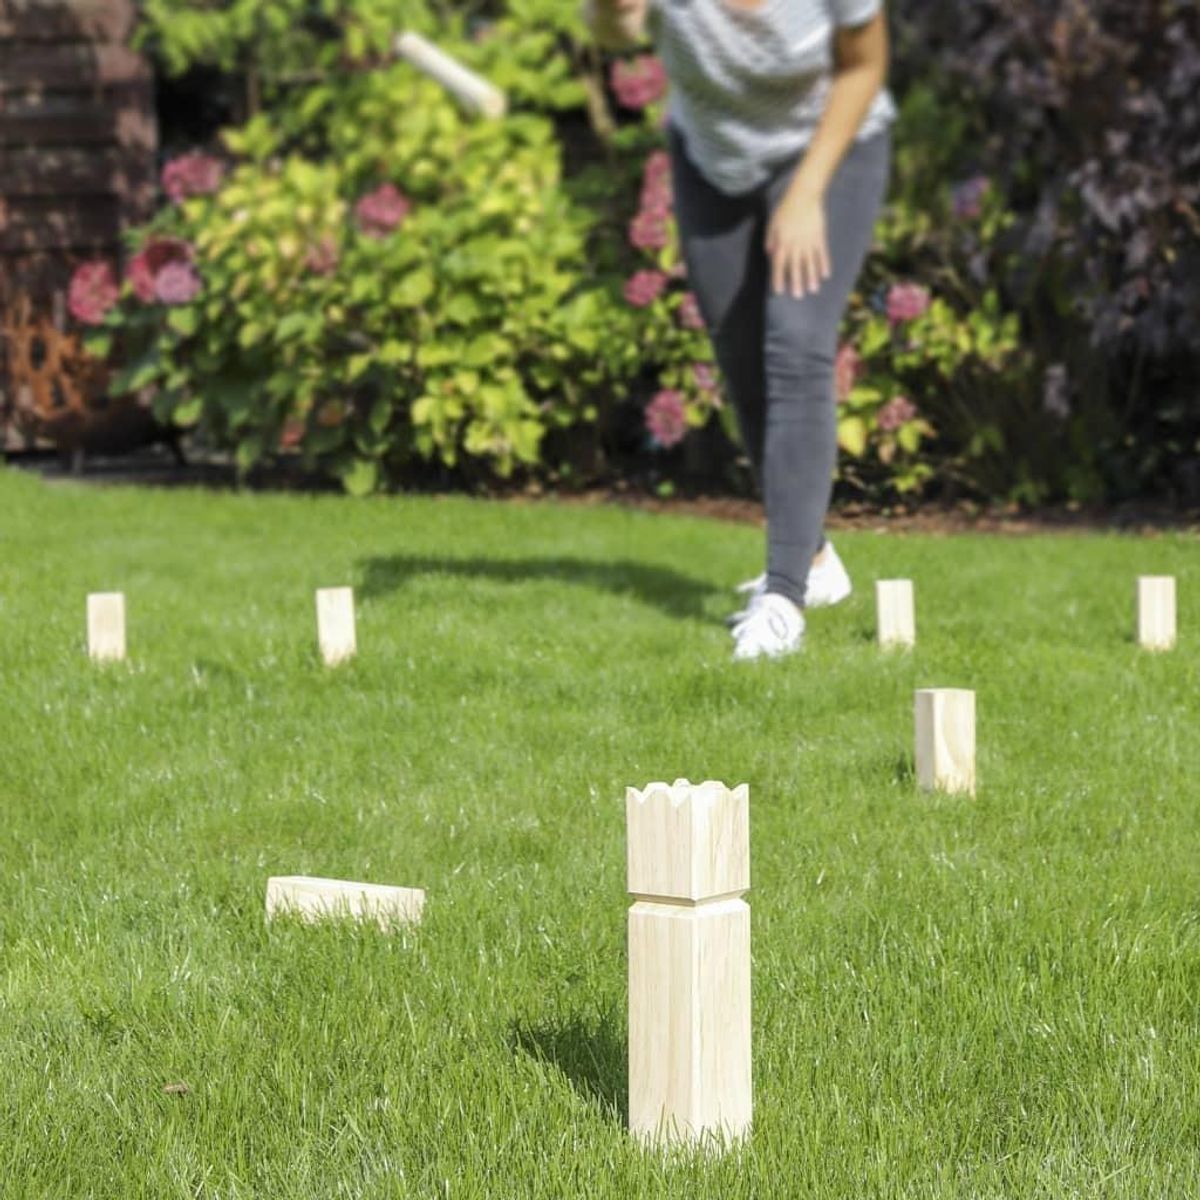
689 1020
314 899
688 842
689 961
945 739
471 90
335 624
106 625
1156 611
896 612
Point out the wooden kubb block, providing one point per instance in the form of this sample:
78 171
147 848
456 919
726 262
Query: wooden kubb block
896 612
689 962
314 899
335 624
106 626
1156 612
945 739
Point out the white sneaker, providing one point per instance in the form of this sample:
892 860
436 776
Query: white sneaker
773 626
828 584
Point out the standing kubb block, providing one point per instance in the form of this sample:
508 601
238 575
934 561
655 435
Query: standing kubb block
335 624
896 612
1156 612
314 899
106 626
945 736
689 961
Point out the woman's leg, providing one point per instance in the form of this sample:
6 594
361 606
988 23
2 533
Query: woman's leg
721 240
799 346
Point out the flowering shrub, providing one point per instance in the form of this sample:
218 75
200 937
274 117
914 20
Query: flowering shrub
1025 327
363 321
1082 121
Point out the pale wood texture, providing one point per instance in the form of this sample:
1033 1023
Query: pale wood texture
335 624
896 612
688 842
106 626
314 899
945 739
1156 612
689 962
471 90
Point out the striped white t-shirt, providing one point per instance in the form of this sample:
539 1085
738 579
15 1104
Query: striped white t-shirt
748 85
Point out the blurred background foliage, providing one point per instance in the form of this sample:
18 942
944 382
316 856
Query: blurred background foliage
362 276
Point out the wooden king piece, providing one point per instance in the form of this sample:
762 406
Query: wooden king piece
689 961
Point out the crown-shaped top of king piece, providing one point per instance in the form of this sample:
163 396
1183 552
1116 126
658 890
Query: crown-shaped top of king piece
688 841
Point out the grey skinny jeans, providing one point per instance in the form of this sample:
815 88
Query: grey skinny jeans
776 352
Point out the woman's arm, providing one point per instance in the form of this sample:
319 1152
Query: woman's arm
616 24
796 235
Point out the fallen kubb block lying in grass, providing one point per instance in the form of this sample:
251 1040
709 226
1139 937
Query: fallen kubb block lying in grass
313 899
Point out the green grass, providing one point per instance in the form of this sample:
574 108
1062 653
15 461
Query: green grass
952 998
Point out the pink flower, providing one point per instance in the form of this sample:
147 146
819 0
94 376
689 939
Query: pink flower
895 413
656 183
638 82
176 283
322 259
847 371
690 316
967 197
381 211
678 270
657 166
666 418
192 174
656 197
705 377
648 231
155 253
644 287
907 302
93 292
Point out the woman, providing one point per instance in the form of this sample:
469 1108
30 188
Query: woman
779 132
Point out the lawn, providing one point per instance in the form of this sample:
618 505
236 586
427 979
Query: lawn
988 998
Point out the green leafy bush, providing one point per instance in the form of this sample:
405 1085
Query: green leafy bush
523 307
361 323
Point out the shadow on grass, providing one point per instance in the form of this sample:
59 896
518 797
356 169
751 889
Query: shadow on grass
676 594
588 1052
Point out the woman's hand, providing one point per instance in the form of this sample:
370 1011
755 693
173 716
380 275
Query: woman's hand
796 243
